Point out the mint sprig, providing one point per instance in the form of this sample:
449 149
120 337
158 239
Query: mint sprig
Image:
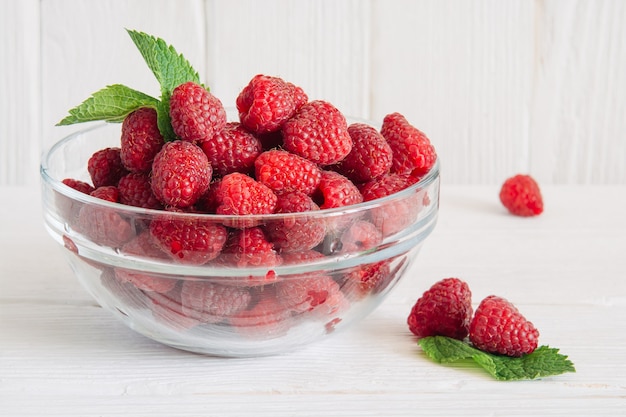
115 102
544 361
112 104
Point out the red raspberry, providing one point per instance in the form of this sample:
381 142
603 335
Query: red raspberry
412 150
265 318
392 216
168 309
370 157
285 172
104 225
232 149
335 190
363 280
108 193
443 310
289 234
144 246
318 132
105 167
141 140
499 327
181 173
521 196
196 113
136 190
240 194
78 185
316 293
360 236
267 102
249 248
190 240
209 302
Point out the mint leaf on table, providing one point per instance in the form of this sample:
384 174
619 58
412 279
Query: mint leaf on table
544 361
112 104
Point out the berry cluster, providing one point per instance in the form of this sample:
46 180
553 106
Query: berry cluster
496 326
284 154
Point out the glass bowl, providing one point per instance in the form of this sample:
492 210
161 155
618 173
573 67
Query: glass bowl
212 303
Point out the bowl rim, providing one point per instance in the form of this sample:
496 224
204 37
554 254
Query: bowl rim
63 189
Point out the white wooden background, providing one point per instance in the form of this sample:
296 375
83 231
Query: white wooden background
500 86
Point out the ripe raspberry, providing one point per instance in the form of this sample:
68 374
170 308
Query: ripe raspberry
105 167
521 196
240 194
393 216
190 240
249 248
104 226
136 190
412 150
196 113
360 236
370 157
316 293
181 173
141 140
318 132
335 190
285 172
443 310
78 185
232 149
300 257
499 327
209 302
107 192
167 308
363 280
290 234
265 318
267 102
144 246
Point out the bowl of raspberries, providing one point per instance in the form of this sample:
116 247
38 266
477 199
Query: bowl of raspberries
237 232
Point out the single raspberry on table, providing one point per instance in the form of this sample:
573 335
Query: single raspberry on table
521 196
105 167
499 327
412 151
267 102
232 149
141 140
240 194
370 157
79 185
135 189
290 234
443 310
209 302
191 240
181 173
286 172
196 114
318 132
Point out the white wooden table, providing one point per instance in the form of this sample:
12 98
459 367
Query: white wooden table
62 355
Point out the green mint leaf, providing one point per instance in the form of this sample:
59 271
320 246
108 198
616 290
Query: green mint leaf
169 67
544 361
112 104
164 121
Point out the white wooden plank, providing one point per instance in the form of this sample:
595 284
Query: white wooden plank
322 46
578 108
20 106
458 71
85 47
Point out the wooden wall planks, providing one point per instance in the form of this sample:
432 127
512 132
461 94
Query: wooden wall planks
499 86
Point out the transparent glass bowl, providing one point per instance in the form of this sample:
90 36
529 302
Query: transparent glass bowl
213 304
